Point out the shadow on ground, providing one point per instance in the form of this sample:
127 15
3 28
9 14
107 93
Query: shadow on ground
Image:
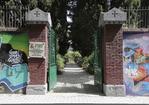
76 80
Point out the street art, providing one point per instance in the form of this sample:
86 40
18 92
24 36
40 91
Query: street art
13 61
136 62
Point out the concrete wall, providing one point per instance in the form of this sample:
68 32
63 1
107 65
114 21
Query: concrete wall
136 61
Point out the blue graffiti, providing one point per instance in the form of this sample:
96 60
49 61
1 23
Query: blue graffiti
15 77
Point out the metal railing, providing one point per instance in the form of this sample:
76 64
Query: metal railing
137 17
12 16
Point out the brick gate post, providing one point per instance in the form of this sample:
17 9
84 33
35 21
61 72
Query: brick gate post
37 23
112 40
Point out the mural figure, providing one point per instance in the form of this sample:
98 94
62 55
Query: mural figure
13 67
136 65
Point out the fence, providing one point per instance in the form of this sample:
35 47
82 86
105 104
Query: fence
137 17
12 16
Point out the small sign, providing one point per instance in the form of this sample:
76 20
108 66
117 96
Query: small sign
37 49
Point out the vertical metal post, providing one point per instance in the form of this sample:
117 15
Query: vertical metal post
129 16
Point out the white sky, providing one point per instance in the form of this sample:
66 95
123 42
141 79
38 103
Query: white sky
69 19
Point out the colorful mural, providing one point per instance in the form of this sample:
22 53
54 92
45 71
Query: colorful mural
136 62
13 60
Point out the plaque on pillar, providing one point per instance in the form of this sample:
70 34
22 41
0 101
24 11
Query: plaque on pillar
113 16
37 16
37 50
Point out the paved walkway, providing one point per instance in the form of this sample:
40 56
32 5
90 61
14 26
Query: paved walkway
74 86
75 80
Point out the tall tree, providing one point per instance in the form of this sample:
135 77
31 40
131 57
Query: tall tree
58 13
85 23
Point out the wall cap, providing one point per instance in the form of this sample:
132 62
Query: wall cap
113 16
37 16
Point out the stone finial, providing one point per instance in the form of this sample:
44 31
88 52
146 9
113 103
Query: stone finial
113 16
37 16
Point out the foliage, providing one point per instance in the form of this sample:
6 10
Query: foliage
77 57
88 64
58 13
133 7
72 57
60 63
85 63
84 25
69 57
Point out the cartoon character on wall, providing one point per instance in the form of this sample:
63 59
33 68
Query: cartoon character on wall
13 67
136 69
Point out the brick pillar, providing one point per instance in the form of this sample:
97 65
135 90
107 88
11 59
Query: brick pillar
38 66
112 40
38 23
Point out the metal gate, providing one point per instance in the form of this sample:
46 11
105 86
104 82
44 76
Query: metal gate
97 59
52 72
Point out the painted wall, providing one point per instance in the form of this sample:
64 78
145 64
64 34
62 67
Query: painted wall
13 60
136 62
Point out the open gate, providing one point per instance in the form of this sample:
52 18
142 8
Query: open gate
52 72
97 60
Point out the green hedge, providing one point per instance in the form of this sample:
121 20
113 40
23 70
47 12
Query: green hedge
88 64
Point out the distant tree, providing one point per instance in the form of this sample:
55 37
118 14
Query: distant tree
85 22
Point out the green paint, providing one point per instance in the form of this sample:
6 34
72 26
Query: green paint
52 76
52 72
18 41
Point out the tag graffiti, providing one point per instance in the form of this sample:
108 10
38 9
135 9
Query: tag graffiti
15 57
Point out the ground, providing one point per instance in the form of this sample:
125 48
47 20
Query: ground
75 80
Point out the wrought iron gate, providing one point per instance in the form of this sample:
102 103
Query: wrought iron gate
52 72
97 59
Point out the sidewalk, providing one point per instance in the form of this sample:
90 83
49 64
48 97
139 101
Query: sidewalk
70 98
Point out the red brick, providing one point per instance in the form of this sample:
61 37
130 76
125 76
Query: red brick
112 54
38 66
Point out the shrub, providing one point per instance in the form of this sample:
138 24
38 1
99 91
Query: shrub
88 64
90 68
72 57
77 57
69 57
60 63
85 63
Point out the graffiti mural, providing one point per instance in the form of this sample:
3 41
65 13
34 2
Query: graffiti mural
13 61
136 62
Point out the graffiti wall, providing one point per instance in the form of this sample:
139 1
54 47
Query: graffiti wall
13 60
136 62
